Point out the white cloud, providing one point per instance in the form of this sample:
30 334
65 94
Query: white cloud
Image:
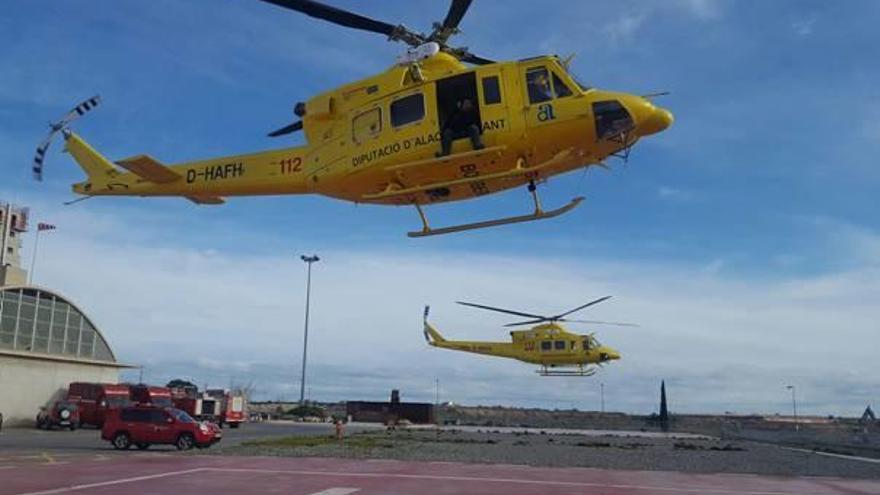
218 316
624 28
674 194
701 9
804 26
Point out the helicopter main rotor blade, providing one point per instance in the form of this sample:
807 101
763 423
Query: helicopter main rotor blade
600 322
597 301
296 126
442 32
345 18
457 10
470 58
500 310
527 322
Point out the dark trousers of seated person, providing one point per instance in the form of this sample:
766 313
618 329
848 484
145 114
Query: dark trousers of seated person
449 135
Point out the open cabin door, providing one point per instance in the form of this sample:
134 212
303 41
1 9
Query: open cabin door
451 91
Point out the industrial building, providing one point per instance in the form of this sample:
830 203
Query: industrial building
46 341
390 412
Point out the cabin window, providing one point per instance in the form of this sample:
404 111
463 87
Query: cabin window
366 125
560 88
559 345
491 90
136 415
407 110
538 82
546 345
586 344
158 416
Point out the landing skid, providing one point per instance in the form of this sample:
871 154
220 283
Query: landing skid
539 214
544 371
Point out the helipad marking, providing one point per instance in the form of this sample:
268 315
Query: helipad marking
498 480
337 491
832 454
532 482
74 488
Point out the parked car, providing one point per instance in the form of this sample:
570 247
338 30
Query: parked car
62 413
145 425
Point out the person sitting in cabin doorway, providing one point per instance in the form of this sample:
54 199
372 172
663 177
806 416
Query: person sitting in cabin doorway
464 121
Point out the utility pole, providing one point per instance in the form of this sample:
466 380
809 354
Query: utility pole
602 395
797 425
302 385
437 402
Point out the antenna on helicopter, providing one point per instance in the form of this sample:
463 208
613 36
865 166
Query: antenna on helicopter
655 95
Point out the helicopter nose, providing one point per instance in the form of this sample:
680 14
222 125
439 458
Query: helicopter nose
608 354
650 119
659 120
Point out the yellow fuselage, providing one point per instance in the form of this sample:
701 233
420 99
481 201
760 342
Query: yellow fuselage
363 146
548 345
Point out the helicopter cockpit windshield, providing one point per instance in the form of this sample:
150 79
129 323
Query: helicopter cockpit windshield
588 344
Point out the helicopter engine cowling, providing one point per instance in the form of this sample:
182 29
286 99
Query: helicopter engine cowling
419 53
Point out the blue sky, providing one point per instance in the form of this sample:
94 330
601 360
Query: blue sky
763 190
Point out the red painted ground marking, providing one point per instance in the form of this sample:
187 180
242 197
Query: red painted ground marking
236 475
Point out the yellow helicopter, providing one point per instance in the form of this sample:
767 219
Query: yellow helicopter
547 344
430 129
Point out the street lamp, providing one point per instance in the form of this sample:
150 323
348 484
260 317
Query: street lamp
602 395
794 407
302 385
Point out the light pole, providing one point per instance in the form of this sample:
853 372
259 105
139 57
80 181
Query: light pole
602 395
794 407
302 384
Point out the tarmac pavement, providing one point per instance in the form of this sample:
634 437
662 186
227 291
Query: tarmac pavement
141 473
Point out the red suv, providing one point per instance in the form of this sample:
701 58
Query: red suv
143 426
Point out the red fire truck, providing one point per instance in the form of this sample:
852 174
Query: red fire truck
148 394
93 400
233 407
200 406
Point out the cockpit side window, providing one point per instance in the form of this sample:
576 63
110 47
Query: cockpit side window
560 88
611 118
538 83
586 344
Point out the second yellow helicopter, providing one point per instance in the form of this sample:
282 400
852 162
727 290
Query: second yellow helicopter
548 344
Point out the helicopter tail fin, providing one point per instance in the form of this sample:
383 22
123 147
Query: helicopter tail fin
98 169
432 336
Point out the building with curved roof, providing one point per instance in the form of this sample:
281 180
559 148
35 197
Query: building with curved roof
39 322
46 341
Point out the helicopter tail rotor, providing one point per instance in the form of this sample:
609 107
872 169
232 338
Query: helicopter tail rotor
54 128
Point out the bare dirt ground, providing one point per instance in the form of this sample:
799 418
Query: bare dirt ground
634 452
